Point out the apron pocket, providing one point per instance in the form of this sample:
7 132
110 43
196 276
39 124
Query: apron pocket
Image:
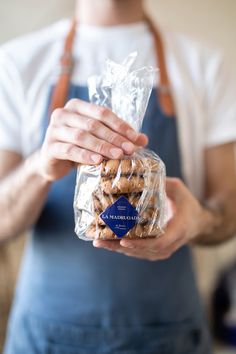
53 337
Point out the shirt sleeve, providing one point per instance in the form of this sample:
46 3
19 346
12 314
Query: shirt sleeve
220 99
11 105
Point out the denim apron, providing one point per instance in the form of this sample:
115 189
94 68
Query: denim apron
74 299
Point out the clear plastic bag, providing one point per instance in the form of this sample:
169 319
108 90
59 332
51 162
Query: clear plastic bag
122 198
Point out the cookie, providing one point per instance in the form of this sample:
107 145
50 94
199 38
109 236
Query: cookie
128 167
100 232
122 185
102 201
148 216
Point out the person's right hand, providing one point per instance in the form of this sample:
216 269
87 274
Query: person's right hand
84 133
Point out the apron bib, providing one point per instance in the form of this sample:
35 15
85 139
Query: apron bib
72 298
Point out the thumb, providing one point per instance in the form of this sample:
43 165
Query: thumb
174 189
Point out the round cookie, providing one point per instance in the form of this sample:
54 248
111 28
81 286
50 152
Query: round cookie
122 185
101 201
131 166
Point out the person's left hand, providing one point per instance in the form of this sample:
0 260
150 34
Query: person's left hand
186 224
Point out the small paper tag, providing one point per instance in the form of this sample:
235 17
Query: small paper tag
120 217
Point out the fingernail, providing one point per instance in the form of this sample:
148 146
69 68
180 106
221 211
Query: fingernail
128 147
132 135
96 158
143 138
116 153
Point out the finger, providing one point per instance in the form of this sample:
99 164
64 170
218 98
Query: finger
169 251
106 116
109 244
173 232
140 254
147 244
116 247
152 255
97 129
70 152
142 140
174 188
85 140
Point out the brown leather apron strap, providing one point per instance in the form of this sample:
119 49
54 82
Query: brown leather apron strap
60 91
164 88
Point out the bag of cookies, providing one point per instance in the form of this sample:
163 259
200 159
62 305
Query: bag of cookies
122 198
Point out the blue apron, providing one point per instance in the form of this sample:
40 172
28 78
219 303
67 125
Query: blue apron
72 298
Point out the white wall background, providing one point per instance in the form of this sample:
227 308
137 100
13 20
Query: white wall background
213 21
210 20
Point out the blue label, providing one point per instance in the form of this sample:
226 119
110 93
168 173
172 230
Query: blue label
120 217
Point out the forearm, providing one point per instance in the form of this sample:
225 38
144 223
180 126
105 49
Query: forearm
218 221
23 194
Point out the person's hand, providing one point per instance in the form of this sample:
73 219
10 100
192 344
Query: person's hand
84 133
186 224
